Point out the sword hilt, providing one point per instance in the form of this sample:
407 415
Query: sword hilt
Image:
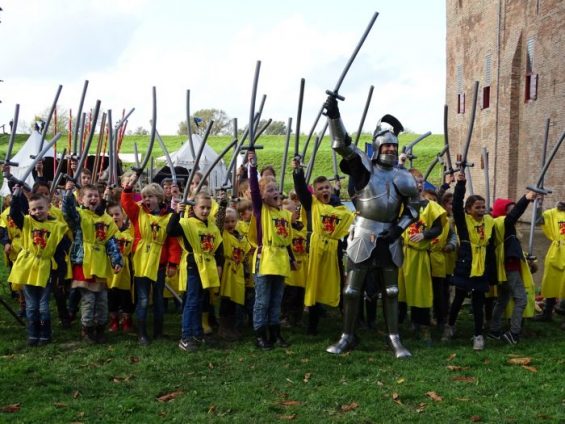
298 157
539 190
335 94
23 184
9 163
138 170
254 147
336 178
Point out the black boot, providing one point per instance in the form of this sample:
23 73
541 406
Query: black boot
158 329
275 336
313 320
142 337
44 332
100 336
261 340
88 334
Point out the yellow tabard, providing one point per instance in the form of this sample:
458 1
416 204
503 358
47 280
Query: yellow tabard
57 213
277 236
243 228
553 281
233 281
329 225
415 285
39 243
298 277
479 236
122 280
204 240
438 257
153 232
14 234
96 231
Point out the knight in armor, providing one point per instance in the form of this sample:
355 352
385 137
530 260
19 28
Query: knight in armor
386 198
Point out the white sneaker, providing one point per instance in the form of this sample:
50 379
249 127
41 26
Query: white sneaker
448 333
478 343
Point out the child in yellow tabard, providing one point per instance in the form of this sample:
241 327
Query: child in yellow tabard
327 224
245 212
201 242
11 237
553 281
270 231
95 256
415 276
119 285
42 241
293 299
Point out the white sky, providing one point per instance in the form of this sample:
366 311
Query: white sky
124 47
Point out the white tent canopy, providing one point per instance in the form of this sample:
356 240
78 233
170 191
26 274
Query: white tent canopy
23 158
183 157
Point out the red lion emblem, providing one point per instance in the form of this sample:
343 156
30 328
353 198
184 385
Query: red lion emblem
40 238
329 222
561 227
416 228
155 230
480 229
299 245
207 242
281 227
100 231
237 255
123 243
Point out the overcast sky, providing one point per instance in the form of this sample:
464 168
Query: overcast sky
124 47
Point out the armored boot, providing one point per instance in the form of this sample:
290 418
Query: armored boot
390 303
114 325
142 337
275 336
261 340
348 340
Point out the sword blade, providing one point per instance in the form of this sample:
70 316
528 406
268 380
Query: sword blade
285 154
364 115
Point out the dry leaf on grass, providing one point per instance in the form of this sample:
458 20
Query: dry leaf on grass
122 378
464 378
210 365
14 407
134 359
349 407
532 369
520 361
60 405
456 368
400 380
291 403
287 417
462 399
396 398
451 357
475 418
212 409
421 407
434 396
307 377
167 397
76 394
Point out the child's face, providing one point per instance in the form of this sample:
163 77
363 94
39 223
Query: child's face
85 179
323 191
419 183
194 183
271 195
246 215
202 208
230 222
117 215
44 191
90 199
477 210
39 209
448 206
150 201
167 189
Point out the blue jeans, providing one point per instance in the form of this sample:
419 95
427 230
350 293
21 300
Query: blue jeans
37 310
191 322
142 289
269 290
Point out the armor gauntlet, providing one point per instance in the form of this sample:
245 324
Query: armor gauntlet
341 140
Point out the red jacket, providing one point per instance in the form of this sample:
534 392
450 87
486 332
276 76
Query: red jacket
171 252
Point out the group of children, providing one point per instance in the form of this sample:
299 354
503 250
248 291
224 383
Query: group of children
260 256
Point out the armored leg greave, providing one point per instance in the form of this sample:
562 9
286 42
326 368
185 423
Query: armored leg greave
389 286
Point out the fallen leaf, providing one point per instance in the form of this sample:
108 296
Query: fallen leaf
371 359
289 380
14 407
520 361
210 365
307 377
287 417
380 383
134 359
462 399
465 378
434 396
456 368
349 407
400 380
475 418
76 394
451 357
396 398
421 407
486 361
212 409
60 405
289 352
305 360
167 397
291 403
122 378
240 359
532 369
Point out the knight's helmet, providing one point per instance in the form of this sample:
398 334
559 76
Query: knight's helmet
386 132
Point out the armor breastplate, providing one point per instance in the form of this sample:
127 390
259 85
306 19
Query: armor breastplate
379 200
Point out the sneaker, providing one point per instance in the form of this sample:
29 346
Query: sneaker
189 345
448 333
494 335
510 338
478 343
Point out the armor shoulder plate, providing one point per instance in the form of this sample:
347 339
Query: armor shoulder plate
405 183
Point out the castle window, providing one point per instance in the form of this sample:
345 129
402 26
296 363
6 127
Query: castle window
459 89
531 77
487 81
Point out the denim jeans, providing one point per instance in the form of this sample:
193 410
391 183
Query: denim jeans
143 287
269 290
514 288
191 321
93 307
37 308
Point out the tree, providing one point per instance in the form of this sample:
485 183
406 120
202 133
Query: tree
276 127
61 116
200 120
140 131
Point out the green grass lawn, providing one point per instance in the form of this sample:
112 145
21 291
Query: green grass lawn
122 382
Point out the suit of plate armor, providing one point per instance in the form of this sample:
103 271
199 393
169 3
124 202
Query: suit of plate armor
382 192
